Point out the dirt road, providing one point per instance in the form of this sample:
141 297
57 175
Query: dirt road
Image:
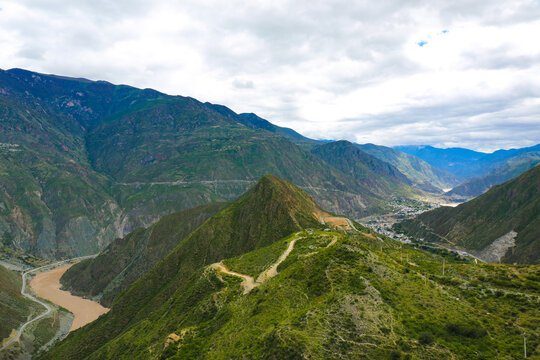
47 286
248 282
272 270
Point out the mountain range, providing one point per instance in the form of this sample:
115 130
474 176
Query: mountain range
466 163
334 294
219 236
502 225
512 168
429 178
84 162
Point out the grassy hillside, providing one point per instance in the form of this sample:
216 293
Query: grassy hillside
422 174
474 225
514 167
343 299
269 211
14 308
126 260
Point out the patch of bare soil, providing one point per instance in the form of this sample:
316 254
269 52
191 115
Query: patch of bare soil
320 215
339 222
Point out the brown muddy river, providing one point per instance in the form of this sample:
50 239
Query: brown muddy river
47 286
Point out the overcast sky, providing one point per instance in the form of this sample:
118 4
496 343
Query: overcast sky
444 73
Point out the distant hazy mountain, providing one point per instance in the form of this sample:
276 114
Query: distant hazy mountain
464 163
418 171
512 168
487 224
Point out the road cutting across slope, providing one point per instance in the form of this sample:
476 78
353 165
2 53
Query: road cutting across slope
272 270
249 282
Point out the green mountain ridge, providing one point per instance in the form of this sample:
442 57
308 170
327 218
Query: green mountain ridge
335 296
84 162
126 260
49 193
476 224
381 177
422 174
269 211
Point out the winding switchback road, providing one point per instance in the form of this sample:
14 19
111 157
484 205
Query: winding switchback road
47 307
249 283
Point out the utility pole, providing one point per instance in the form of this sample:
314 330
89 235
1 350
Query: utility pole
443 267
525 345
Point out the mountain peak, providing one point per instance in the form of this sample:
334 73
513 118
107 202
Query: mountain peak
282 200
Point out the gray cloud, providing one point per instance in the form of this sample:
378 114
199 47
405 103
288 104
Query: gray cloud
341 69
243 84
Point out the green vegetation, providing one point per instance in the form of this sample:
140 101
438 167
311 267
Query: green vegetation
268 212
512 206
84 162
126 260
348 300
14 308
19 258
337 295
379 177
422 174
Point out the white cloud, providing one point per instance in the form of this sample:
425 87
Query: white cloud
341 69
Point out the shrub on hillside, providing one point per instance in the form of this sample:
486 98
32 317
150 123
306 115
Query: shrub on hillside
472 331
426 338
